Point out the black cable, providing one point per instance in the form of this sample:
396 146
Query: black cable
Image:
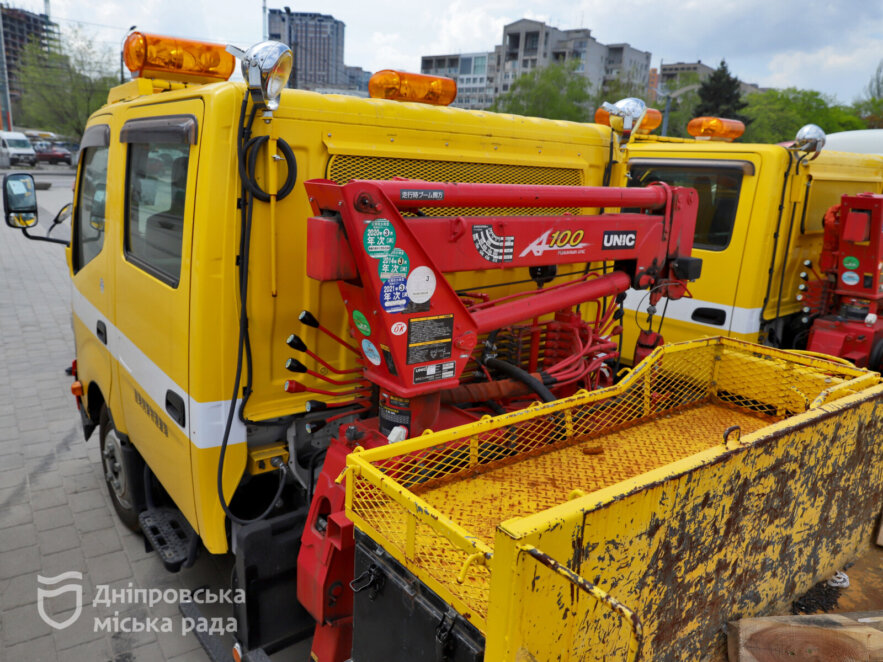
251 149
522 376
662 319
769 283
495 407
514 282
244 246
785 259
248 149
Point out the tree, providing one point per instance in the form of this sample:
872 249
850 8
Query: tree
777 115
870 106
720 95
62 86
557 91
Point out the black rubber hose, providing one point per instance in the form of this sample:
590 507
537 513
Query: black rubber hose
495 407
252 147
522 376
244 246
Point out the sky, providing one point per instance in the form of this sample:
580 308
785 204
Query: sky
833 47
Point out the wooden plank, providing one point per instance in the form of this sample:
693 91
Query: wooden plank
828 637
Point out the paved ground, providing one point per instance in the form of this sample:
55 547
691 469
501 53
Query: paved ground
55 513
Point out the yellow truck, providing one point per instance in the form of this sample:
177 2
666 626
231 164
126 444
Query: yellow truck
229 387
759 232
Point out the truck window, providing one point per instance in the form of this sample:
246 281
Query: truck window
89 214
156 190
718 191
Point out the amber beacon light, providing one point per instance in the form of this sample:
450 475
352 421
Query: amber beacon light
715 128
155 56
402 86
652 119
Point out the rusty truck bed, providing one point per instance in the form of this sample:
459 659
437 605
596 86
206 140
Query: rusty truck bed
481 499
718 480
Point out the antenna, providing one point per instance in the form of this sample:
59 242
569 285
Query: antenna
266 29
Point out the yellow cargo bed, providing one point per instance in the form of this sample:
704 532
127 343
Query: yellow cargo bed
718 480
516 487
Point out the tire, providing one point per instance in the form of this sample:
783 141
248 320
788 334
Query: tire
123 471
875 360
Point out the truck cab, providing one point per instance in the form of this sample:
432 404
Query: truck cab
188 261
759 232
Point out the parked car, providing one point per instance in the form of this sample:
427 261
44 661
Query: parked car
53 154
17 148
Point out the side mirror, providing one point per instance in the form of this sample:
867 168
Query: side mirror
63 214
19 200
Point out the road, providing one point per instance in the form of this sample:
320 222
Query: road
55 513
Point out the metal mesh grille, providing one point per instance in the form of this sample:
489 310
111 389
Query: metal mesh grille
679 403
343 168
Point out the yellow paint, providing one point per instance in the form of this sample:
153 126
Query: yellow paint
674 515
190 332
738 275
260 458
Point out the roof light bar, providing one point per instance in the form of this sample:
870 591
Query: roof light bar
156 56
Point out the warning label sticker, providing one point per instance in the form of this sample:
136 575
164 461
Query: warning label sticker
422 194
430 338
491 246
435 372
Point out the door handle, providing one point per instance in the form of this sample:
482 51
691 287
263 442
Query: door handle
716 316
175 407
101 331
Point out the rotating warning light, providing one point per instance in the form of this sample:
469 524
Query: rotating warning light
151 55
403 86
715 128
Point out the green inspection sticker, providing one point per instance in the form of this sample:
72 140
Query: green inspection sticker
361 323
394 263
379 238
850 262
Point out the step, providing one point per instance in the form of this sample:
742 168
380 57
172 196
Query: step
169 534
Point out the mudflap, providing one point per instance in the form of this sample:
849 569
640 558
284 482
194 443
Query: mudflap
397 618
266 552
88 426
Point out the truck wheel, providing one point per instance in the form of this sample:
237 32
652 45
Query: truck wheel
123 478
875 360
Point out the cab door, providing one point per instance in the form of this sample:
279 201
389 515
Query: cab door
153 288
91 273
726 188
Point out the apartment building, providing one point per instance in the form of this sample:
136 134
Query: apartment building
316 40
528 45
